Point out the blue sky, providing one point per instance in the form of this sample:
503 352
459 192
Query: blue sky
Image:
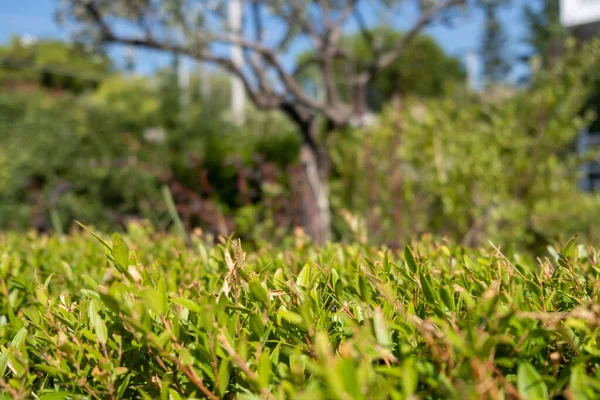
36 17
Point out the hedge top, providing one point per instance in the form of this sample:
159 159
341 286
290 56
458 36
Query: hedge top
150 318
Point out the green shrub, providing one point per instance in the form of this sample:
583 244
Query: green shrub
62 154
52 64
66 158
146 317
500 167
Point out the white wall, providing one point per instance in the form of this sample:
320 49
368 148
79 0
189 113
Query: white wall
579 12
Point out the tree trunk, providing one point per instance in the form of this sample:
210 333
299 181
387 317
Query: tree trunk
313 179
316 211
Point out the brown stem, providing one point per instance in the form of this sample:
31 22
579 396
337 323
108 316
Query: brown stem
236 357
14 394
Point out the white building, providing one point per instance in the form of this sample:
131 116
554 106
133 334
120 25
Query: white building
581 17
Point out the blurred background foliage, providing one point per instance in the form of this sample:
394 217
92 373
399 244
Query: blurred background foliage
498 165
423 69
28 63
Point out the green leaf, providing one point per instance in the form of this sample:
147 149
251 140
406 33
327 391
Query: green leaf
186 357
173 395
568 251
264 368
530 384
348 374
156 298
120 252
164 338
144 395
4 265
56 396
53 371
410 259
363 288
223 377
40 294
410 378
18 341
94 234
292 317
256 325
577 384
381 330
110 302
47 282
97 322
427 289
447 298
3 362
258 292
298 364
189 304
161 292
303 279
322 346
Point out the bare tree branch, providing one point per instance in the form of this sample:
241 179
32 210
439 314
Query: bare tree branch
228 38
259 74
327 22
427 16
304 64
329 50
303 118
328 74
252 58
340 54
258 22
386 59
149 42
93 12
364 30
335 29
265 78
296 17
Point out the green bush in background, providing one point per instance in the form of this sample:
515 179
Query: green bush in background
61 154
65 157
500 167
52 64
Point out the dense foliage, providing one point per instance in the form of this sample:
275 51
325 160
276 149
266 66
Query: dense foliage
52 64
88 158
146 317
500 167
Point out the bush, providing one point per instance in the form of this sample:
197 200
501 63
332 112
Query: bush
499 167
65 158
151 318
63 155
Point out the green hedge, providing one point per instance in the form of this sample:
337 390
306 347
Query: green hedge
145 317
